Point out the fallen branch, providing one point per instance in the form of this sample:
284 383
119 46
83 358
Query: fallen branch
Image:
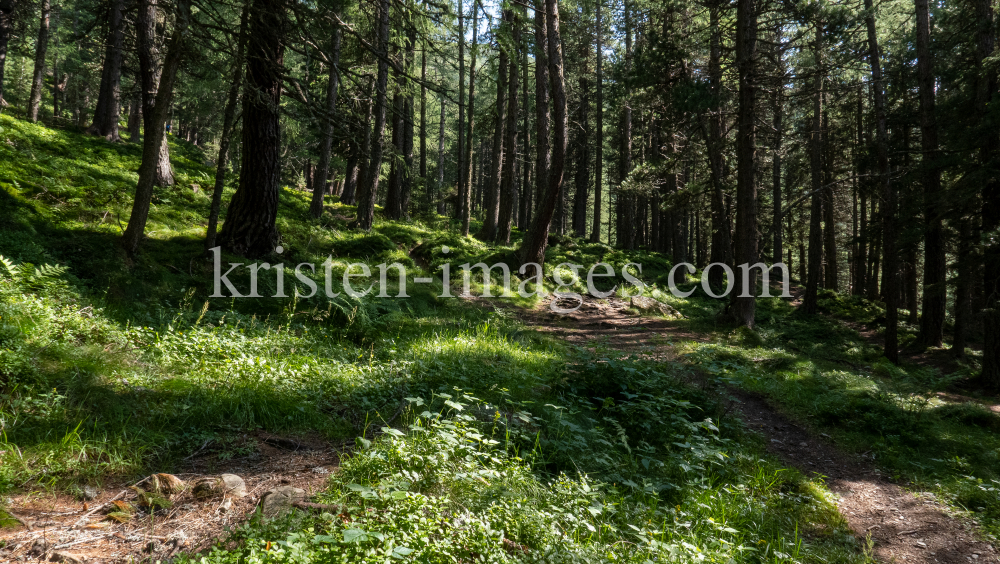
96 509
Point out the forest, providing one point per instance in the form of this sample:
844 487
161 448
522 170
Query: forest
845 408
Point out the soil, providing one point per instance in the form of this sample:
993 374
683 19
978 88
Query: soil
903 526
188 525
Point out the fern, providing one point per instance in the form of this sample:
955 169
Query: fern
10 267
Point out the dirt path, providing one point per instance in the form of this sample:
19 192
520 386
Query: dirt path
905 527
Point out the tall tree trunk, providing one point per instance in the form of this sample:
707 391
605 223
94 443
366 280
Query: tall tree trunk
461 108
491 216
779 105
134 126
595 233
831 264
6 27
721 235
809 303
350 188
935 295
543 155
465 191
582 149
536 238
368 190
323 169
393 209
440 168
41 46
156 114
861 257
227 130
508 188
989 141
744 304
527 201
106 113
887 189
423 113
250 228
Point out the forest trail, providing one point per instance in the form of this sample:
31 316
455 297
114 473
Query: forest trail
903 526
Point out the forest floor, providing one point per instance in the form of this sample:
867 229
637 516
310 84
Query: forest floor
901 525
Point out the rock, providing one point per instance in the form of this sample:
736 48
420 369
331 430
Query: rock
278 501
195 188
643 303
166 483
66 558
40 547
90 492
226 484
226 505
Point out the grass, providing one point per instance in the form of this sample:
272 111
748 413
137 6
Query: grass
111 368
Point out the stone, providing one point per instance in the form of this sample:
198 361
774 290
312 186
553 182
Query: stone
66 558
90 492
166 483
643 303
278 501
195 188
229 485
40 547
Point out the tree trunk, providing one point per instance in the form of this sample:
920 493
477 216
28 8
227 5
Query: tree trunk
721 235
809 303
351 175
935 295
393 208
135 117
458 211
156 114
536 238
989 141
250 228
41 46
227 131
582 150
105 122
830 267
542 155
779 104
595 232
466 173
6 27
491 215
323 168
423 113
887 189
527 201
743 306
368 191
508 189
440 170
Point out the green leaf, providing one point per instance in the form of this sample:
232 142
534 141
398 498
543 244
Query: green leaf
355 536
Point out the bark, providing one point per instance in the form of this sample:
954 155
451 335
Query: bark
830 266
744 304
526 188
809 303
440 170
323 168
466 172
491 216
135 117
536 238
582 149
41 46
461 108
989 141
105 122
7 8
721 235
393 208
935 295
423 112
368 191
595 233
250 228
508 188
779 104
156 115
351 175
888 192
543 156
227 131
